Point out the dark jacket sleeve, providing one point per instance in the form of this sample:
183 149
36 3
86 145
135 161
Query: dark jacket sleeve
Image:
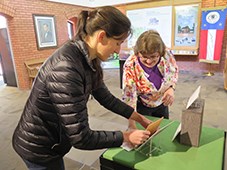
66 87
109 101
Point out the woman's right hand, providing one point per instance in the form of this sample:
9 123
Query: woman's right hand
136 137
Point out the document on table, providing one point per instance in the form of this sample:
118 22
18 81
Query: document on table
177 132
193 97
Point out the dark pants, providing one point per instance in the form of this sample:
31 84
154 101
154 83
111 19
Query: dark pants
55 165
159 111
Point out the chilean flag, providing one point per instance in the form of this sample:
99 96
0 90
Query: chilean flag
211 35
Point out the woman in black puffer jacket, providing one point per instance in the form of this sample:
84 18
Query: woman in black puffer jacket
55 116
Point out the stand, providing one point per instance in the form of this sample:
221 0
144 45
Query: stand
225 74
209 73
148 148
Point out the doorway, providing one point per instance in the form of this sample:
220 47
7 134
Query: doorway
7 71
70 29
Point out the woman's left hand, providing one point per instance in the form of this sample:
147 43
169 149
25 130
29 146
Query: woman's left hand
168 97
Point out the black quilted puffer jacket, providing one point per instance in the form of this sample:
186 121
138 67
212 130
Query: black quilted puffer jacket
55 116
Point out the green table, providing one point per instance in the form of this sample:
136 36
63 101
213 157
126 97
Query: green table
173 155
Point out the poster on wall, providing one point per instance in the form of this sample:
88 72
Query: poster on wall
186 19
212 34
158 18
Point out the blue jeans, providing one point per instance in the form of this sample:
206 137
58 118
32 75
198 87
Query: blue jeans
55 165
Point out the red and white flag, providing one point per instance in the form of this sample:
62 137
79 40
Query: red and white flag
211 35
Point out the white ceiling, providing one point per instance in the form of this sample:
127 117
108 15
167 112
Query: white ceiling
96 3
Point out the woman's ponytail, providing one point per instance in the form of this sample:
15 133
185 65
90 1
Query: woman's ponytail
81 25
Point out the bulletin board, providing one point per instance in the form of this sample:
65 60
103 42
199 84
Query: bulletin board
177 22
157 18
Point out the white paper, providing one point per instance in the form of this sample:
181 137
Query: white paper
127 146
177 132
193 97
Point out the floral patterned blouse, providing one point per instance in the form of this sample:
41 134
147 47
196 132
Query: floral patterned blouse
136 83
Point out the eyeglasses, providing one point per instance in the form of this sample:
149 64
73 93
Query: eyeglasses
149 57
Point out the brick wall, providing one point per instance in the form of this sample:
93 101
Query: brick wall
23 40
22 34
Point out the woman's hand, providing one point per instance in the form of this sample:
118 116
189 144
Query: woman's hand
168 97
136 137
140 119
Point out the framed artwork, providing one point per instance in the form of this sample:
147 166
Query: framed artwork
186 28
45 31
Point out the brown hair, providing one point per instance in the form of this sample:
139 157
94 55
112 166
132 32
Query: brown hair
107 18
150 42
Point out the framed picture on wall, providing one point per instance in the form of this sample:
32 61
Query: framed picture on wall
45 31
186 29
